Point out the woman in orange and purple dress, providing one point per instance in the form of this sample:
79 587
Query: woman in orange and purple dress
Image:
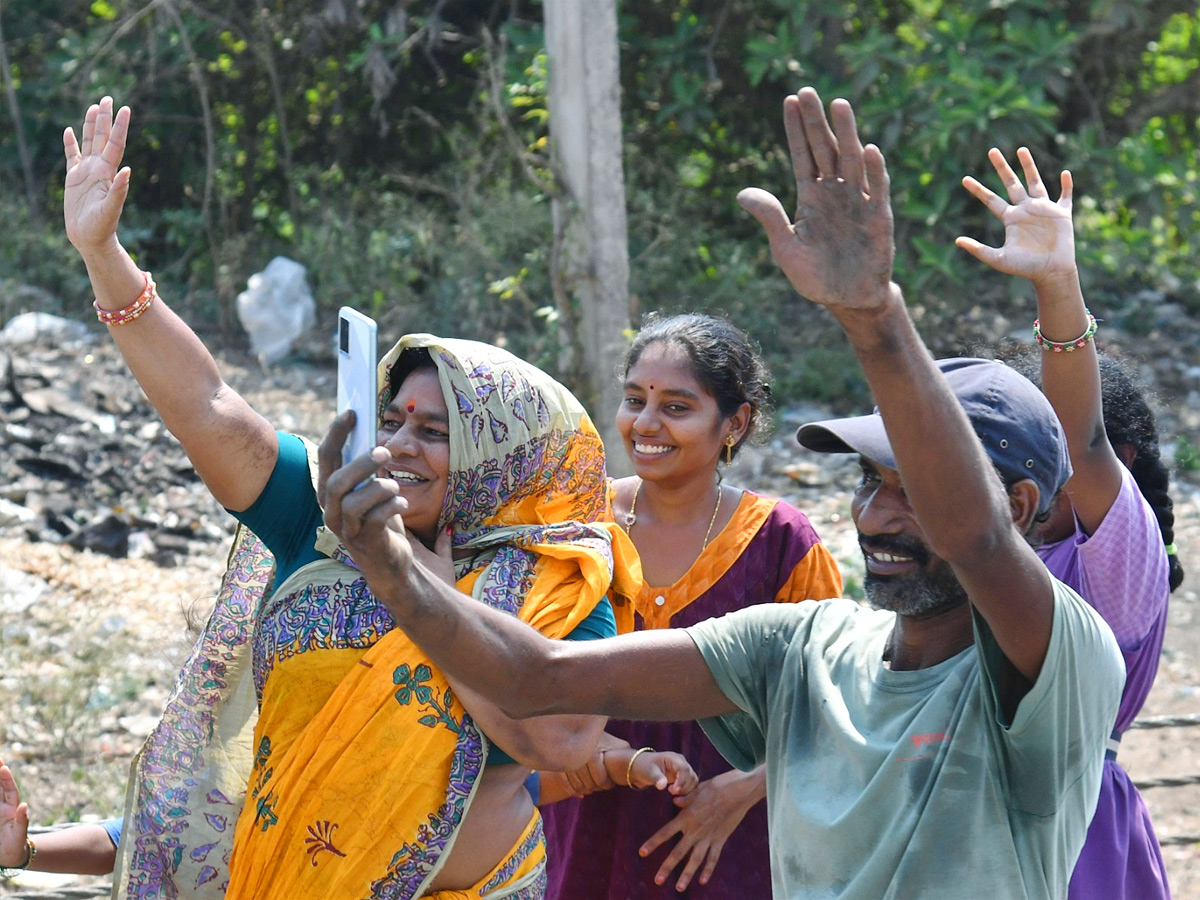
695 393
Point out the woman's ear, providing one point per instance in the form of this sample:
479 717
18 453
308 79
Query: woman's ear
739 422
1023 498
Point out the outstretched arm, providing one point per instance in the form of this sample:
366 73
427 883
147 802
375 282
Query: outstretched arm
838 252
78 850
1039 244
624 767
232 447
649 675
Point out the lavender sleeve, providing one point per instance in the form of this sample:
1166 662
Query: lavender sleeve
1121 570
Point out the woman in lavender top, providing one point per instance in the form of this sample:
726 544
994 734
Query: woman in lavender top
1110 534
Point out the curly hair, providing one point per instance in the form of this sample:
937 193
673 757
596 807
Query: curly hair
1128 422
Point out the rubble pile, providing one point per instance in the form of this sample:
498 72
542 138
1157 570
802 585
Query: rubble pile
86 461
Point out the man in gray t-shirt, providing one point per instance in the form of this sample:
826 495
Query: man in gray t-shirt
920 766
947 744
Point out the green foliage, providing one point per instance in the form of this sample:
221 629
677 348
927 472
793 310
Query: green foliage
1187 455
400 151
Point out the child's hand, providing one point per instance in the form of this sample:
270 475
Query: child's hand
663 770
1039 243
590 778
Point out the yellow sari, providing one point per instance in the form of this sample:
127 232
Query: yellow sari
363 764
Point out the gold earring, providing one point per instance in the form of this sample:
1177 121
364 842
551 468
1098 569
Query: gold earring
730 441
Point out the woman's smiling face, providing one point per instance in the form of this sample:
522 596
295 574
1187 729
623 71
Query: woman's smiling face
416 432
670 423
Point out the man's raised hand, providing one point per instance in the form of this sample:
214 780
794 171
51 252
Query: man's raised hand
838 249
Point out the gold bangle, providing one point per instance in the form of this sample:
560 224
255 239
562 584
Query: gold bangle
632 760
30 854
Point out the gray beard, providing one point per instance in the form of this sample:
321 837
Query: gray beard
919 596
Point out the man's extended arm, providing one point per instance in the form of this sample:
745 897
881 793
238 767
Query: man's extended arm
650 675
838 252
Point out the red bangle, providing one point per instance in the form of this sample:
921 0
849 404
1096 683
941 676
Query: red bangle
127 314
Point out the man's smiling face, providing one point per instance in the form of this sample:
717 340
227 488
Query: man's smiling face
902 573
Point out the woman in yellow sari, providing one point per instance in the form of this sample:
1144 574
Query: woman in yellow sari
310 749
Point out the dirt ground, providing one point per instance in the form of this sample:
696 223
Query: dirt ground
89 645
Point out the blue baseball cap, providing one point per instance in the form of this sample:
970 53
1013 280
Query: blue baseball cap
1014 421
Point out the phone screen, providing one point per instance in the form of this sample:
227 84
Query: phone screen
356 388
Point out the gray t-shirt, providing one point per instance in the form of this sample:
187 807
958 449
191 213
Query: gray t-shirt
885 785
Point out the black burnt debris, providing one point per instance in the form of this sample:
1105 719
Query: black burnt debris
86 461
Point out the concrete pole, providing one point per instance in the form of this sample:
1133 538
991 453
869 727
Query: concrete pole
592 258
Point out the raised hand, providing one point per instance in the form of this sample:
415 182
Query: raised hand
1039 243
838 250
14 821
95 188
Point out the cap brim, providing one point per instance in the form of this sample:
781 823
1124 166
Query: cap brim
864 435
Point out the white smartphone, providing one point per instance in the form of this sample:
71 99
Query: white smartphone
356 386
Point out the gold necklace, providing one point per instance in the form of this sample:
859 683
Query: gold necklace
631 516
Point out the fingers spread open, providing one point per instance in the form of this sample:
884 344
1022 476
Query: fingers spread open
850 148
1067 189
71 148
817 134
879 184
1033 178
981 252
707 855
1012 184
803 166
994 202
660 837
687 847
114 149
767 209
89 128
104 121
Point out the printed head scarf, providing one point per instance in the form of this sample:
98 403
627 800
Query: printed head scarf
527 488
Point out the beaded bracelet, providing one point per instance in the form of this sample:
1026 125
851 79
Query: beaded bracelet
31 854
125 315
1064 346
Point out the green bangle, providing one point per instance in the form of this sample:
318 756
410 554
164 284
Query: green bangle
1065 346
11 871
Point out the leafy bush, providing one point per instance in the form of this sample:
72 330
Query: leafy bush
400 151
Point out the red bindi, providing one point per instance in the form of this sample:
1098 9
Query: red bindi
411 406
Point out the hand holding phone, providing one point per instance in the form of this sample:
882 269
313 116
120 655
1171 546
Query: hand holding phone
357 388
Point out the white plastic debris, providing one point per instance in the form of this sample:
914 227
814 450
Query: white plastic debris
276 308
34 326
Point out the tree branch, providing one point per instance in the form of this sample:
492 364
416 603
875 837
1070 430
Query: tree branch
14 110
